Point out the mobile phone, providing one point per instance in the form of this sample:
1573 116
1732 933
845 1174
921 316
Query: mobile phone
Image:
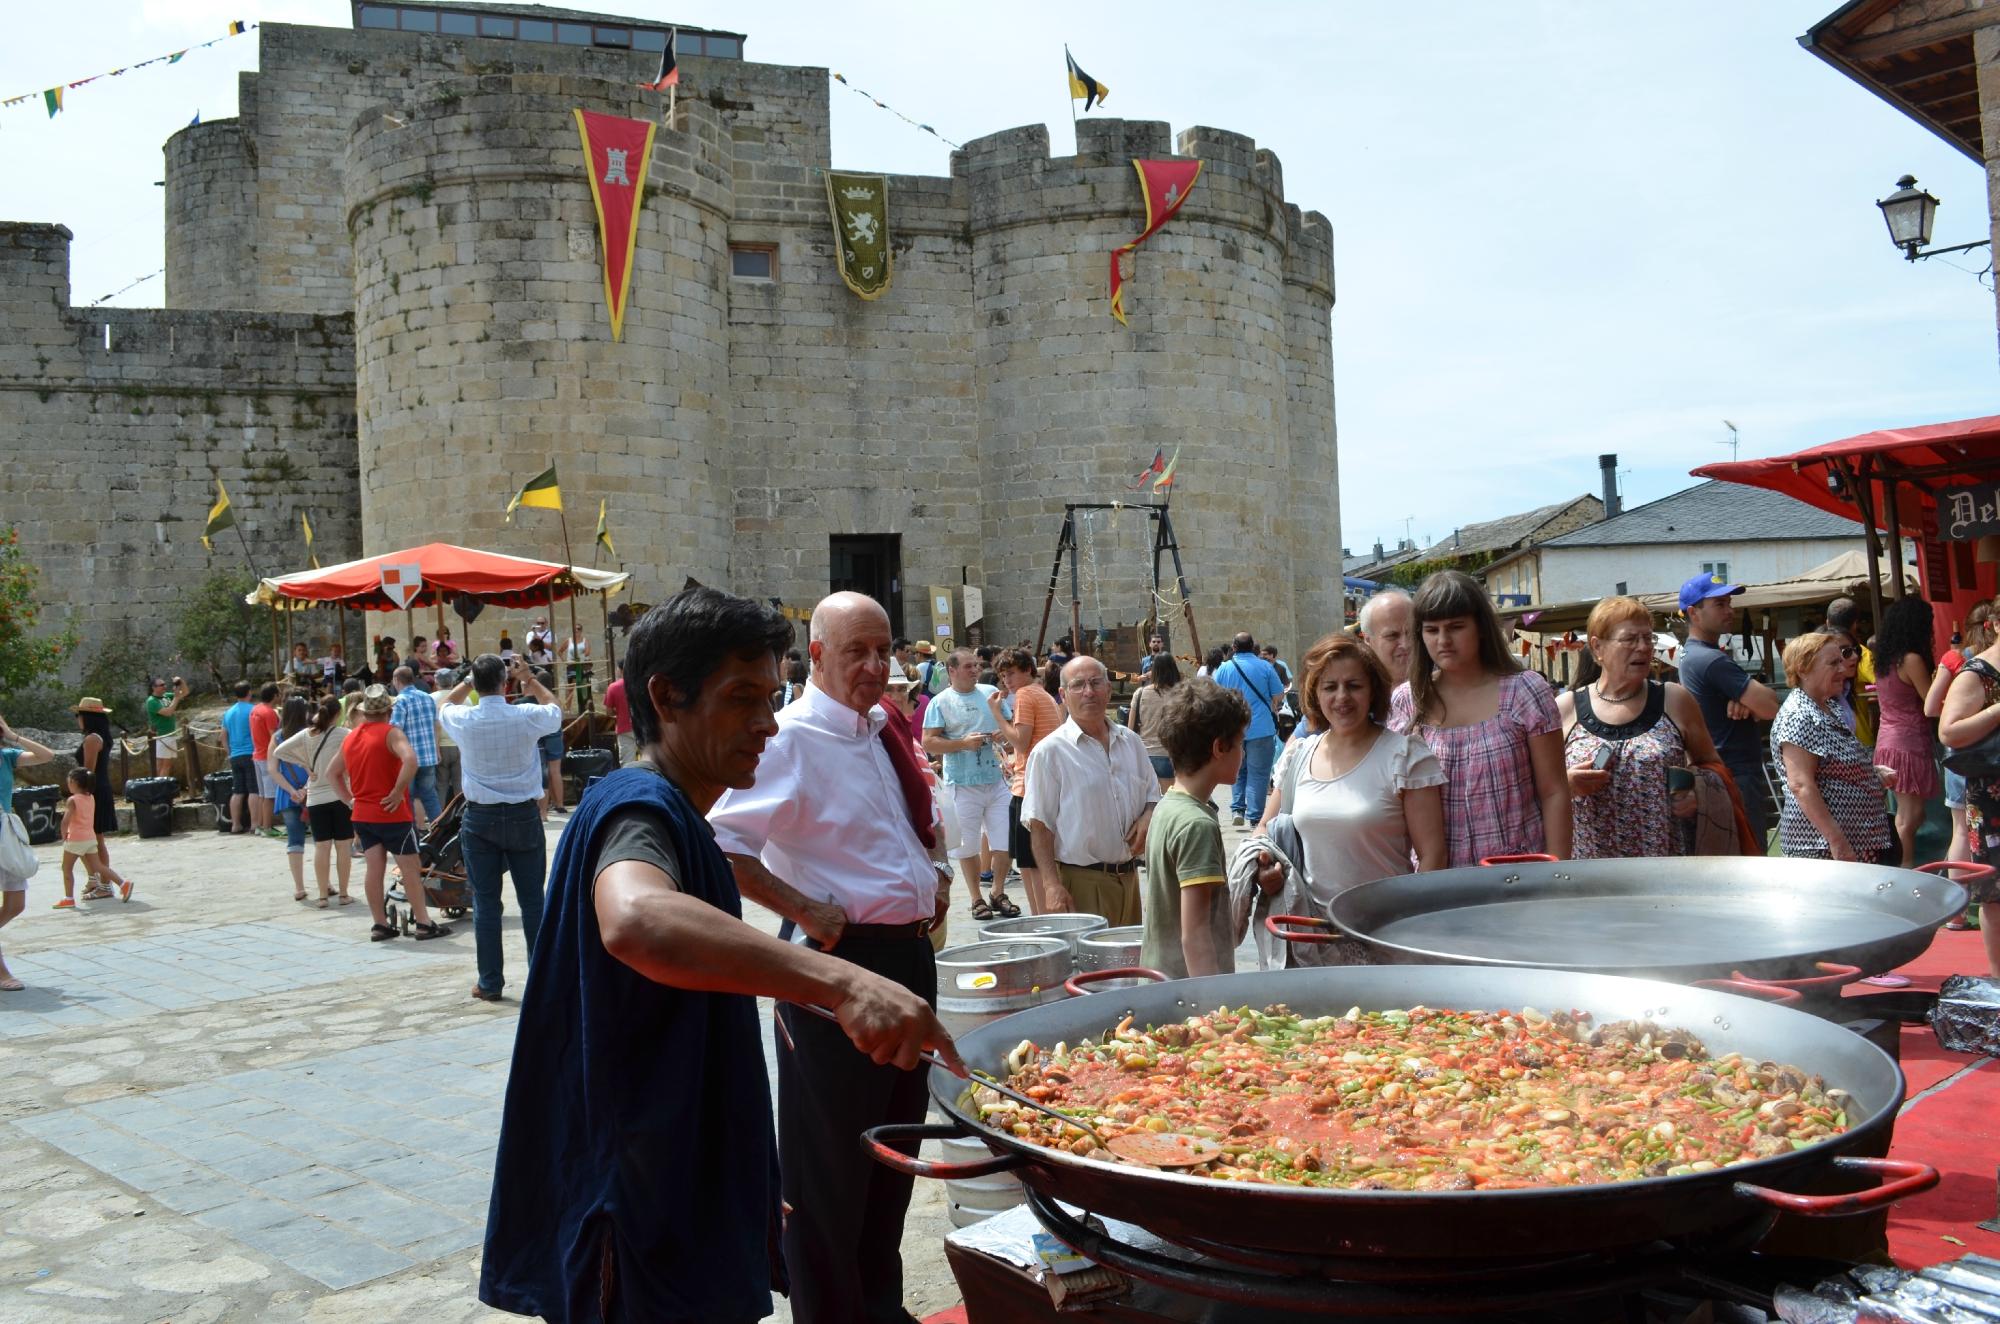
1606 758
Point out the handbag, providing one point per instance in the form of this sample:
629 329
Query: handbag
17 858
1981 758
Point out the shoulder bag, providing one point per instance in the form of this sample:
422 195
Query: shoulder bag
17 858
1982 758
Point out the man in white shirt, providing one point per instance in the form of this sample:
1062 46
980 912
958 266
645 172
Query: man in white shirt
1088 800
959 724
829 838
500 768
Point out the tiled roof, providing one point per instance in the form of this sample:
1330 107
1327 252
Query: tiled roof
1712 512
1501 535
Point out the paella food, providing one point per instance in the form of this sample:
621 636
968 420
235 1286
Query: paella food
1421 1100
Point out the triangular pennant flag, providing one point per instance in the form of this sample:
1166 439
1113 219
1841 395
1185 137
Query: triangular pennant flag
603 528
236 29
220 516
53 99
305 522
616 152
1165 185
1082 86
540 492
175 58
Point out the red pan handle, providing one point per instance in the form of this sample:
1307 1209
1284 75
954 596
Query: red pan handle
1532 857
1901 1177
878 1142
1751 988
1835 976
1075 985
1974 873
1282 926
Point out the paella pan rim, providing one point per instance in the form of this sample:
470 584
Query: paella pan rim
1054 1170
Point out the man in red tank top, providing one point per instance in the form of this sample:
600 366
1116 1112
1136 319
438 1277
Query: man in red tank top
372 773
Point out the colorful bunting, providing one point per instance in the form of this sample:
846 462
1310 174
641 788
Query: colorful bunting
53 97
616 152
883 105
1165 185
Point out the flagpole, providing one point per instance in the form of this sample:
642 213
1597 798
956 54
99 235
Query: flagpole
1072 96
247 558
569 564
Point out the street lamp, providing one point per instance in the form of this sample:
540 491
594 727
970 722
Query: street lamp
1909 213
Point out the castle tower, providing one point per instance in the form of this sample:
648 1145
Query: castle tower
483 346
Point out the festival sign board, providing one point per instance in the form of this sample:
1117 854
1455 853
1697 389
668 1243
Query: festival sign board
1966 514
402 582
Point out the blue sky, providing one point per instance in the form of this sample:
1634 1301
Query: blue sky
1561 228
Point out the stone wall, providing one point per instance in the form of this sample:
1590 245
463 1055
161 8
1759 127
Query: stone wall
211 181
117 422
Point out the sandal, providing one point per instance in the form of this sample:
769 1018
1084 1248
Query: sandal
346 900
425 932
380 933
11 985
298 896
1005 905
981 911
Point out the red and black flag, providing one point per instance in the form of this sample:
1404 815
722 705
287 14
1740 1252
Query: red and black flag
616 152
670 69
1153 470
1082 84
1165 185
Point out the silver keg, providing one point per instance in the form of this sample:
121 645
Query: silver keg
1110 949
1068 927
980 982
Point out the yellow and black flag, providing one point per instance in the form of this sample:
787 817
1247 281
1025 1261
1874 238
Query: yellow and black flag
220 516
540 491
1082 84
603 527
305 522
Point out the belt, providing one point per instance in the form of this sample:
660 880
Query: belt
916 928
1124 867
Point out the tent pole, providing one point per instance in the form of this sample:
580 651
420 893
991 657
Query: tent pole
1895 514
288 644
1864 497
610 663
274 642
584 703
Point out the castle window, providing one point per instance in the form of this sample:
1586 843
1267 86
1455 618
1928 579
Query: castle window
419 20
687 43
377 16
753 261
650 41
496 27
457 25
573 34
727 48
614 37
533 29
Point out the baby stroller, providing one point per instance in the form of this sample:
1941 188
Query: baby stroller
445 888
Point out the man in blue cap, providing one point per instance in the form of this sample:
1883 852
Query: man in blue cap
1731 702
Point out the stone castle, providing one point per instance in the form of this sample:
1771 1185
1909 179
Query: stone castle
384 305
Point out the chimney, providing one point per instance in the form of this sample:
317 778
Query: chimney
1607 469
1379 553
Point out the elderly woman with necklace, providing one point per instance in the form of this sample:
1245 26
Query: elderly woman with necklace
1834 808
1623 734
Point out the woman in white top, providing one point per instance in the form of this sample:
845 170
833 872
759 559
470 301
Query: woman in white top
1366 801
315 750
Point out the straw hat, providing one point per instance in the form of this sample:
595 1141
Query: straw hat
924 646
376 700
90 704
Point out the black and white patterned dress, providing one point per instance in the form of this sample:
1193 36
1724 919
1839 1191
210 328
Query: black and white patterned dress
1846 777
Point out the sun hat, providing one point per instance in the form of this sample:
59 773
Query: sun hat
924 646
90 704
1700 588
376 699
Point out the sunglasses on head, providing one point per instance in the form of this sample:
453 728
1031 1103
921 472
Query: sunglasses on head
1849 652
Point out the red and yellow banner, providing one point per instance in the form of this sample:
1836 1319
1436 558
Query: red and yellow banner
616 151
1165 185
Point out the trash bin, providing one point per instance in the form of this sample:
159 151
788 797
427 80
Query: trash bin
581 766
40 808
217 786
153 804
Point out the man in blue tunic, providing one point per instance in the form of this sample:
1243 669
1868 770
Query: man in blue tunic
636 1178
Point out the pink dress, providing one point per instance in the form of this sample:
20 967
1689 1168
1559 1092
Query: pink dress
1490 806
1903 739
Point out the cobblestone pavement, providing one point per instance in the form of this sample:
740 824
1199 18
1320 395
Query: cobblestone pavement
219 1104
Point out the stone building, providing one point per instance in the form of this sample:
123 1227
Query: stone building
384 303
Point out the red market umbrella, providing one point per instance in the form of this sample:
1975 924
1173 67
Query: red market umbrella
448 570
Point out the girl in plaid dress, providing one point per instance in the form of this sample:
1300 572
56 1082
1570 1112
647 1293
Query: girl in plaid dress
1492 725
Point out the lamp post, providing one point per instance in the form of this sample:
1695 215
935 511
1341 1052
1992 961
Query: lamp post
1909 213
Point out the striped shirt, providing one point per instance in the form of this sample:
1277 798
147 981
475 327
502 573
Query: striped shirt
417 714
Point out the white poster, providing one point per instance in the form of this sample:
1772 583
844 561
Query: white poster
975 605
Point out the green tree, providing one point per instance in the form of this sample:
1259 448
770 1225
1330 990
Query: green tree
29 659
221 631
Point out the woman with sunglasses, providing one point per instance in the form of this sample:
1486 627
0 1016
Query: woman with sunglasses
1834 807
1627 741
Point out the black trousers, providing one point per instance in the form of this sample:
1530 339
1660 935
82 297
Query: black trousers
843 1237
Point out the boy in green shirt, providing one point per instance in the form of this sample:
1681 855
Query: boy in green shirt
1188 931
